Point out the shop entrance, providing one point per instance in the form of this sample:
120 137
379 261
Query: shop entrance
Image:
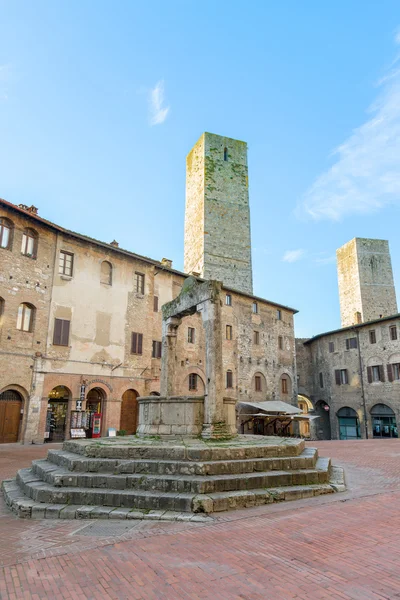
129 409
10 416
383 422
349 425
57 410
94 409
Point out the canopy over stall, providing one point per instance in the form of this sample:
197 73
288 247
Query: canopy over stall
272 417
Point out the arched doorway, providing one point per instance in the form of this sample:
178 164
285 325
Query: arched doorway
57 409
383 422
305 406
349 425
94 400
129 410
10 416
323 427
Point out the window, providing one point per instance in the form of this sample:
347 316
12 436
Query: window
229 332
372 336
341 377
229 379
155 304
351 343
61 332
106 273
1 309
139 283
321 380
137 343
28 246
225 154
393 332
331 346
192 382
191 335
279 315
393 372
5 233
25 317
375 374
284 385
157 346
228 300
258 383
256 337
280 342
357 318
255 308
66 263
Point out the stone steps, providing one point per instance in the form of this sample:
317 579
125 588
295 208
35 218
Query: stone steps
132 478
130 448
78 463
195 484
185 505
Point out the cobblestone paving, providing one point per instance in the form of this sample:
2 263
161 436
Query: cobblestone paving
336 546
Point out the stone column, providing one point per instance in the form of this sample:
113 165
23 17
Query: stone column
168 363
214 425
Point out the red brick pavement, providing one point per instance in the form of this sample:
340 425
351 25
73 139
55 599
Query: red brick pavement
338 546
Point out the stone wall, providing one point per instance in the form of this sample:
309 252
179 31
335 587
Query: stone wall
103 318
217 225
325 362
25 279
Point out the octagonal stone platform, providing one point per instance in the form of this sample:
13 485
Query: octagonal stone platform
176 479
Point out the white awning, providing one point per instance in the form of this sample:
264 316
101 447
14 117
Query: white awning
273 407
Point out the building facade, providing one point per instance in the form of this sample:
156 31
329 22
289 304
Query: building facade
80 328
351 376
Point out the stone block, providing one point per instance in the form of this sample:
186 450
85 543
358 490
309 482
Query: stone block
69 512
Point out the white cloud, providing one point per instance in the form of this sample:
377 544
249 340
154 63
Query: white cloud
158 112
291 256
365 176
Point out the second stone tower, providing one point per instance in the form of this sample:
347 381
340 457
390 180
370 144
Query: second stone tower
217 217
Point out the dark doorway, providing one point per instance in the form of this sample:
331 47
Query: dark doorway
129 409
57 410
10 416
349 425
323 424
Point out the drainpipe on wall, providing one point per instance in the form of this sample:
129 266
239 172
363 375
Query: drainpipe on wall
362 383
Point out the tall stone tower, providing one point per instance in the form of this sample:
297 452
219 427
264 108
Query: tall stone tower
365 276
217 217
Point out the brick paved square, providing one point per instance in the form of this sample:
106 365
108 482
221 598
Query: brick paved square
343 546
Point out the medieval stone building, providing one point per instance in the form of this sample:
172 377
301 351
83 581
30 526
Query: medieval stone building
350 377
80 322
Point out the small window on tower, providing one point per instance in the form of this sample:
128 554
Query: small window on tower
225 154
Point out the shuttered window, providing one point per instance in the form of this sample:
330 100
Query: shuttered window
351 343
139 283
192 382
393 372
156 349
61 332
375 373
257 382
137 343
66 263
341 377
372 336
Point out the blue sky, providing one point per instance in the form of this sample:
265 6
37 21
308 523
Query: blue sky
100 102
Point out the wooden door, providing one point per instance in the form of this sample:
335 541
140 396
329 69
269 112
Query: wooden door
10 415
129 409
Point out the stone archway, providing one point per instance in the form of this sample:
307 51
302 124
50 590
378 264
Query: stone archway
129 412
11 403
323 426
